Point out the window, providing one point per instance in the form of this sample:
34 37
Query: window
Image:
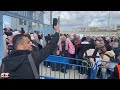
22 22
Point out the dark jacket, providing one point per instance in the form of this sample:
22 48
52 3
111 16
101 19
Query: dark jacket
82 49
17 63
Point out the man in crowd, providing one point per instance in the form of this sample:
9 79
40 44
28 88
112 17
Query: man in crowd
17 63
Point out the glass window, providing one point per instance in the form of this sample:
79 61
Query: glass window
22 22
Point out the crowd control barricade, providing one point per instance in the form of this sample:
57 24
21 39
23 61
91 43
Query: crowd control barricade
104 70
62 68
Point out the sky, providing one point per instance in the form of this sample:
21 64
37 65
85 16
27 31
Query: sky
77 19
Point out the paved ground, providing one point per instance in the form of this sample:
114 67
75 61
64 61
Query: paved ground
71 73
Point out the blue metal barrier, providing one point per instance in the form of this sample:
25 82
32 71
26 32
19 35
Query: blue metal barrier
104 70
61 68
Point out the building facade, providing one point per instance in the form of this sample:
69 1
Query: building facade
94 32
19 23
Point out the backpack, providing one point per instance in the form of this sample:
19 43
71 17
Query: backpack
71 47
111 58
87 67
93 56
86 63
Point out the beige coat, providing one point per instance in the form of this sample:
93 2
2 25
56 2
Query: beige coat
106 58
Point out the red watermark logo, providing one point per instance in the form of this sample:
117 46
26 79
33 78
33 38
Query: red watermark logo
4 75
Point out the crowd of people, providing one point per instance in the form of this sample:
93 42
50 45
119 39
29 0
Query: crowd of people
89 48
17 44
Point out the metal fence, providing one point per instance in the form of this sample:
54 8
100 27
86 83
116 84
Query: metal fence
104 70
57 67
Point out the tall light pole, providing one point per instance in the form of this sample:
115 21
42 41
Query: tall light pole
51 22
59 20
43 28
109 22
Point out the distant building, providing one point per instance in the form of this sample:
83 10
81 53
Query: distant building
117 27
17 23
94 31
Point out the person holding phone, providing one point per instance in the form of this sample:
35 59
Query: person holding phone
17 63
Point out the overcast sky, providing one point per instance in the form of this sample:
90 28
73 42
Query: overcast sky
76 19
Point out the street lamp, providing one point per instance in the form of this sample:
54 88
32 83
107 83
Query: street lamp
51 22
109 22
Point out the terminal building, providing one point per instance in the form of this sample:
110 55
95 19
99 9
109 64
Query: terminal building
95 31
